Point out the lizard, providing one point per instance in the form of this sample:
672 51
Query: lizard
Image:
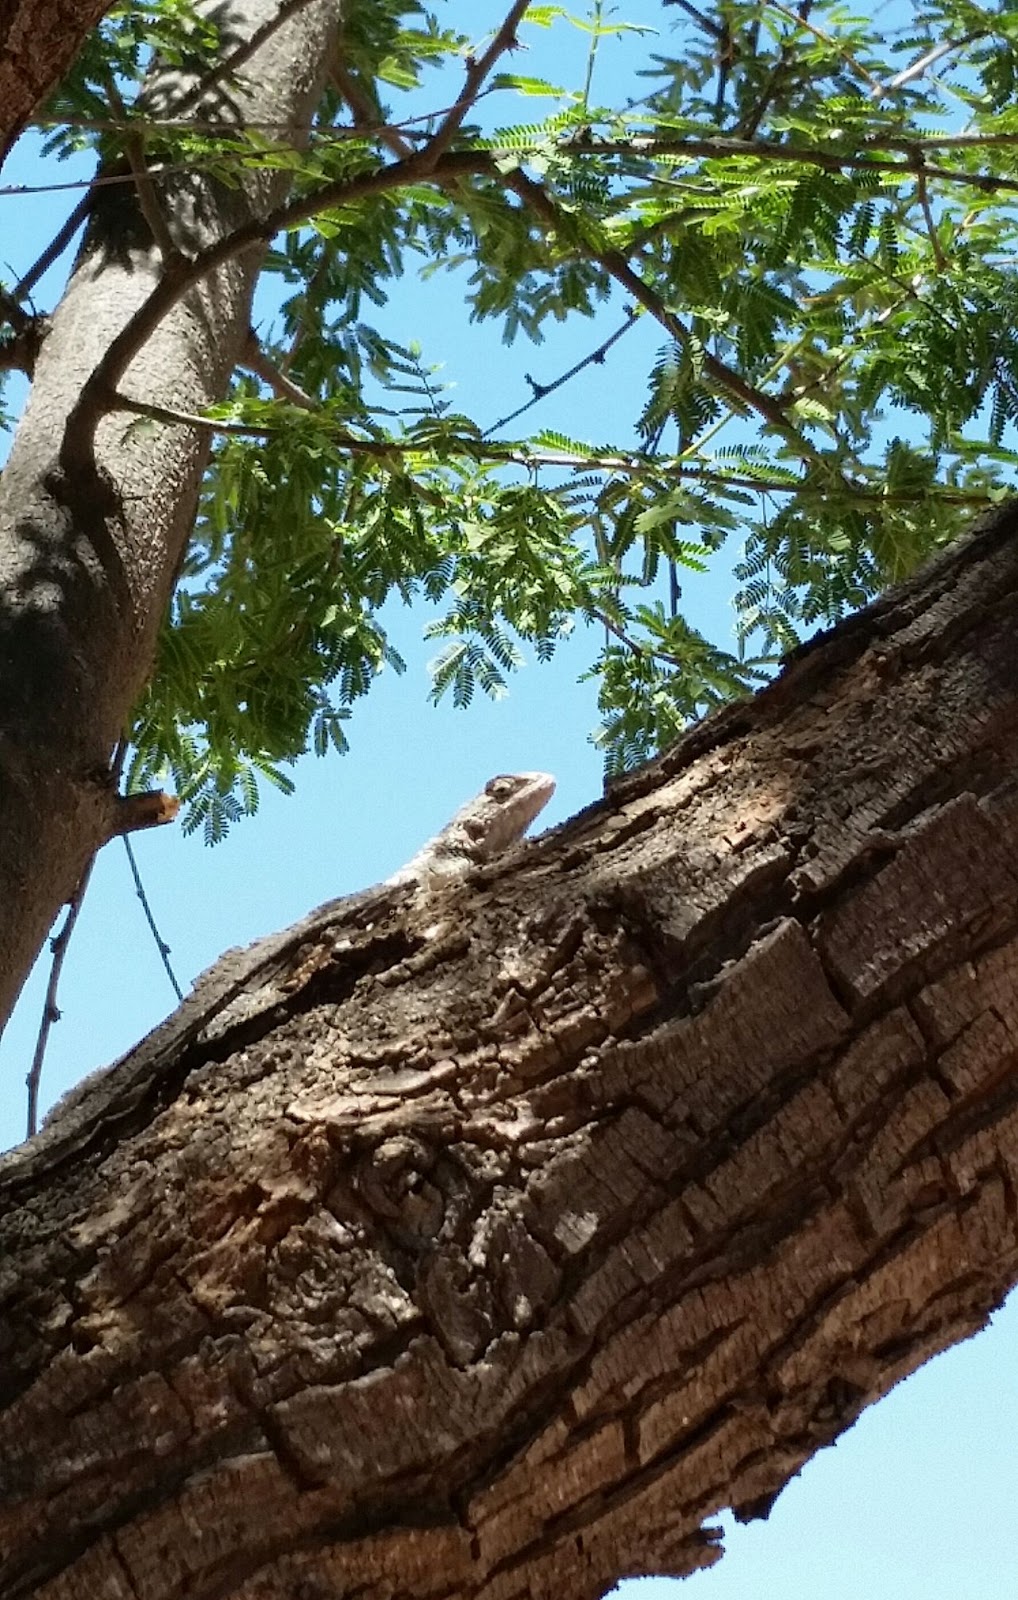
480 831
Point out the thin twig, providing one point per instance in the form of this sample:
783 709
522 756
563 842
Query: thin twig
477 70
160 942
58 945
50 1009
708 26
615 263
931 226
543 390
917 68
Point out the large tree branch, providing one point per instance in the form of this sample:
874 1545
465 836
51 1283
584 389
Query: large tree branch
493 1241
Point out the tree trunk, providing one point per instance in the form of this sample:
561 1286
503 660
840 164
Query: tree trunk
38 41
95 510
514 1229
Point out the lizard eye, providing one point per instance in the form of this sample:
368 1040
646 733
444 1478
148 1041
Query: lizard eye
499 788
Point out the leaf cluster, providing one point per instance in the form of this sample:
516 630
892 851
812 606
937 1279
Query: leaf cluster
835 383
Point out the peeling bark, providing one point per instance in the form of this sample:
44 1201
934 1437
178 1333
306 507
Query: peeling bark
527 1225
92 529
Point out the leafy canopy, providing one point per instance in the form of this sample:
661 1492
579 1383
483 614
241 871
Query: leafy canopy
817 213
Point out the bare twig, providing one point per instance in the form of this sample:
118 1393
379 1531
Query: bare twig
160 943
541 391
58 945
706 23
928 218
917 68
50 1010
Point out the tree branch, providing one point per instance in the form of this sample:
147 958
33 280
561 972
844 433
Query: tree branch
255 359
632 465
134 149
477 71
618 267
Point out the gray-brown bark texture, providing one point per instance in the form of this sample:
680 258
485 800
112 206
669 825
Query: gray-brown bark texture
38 41
95 510
514 1231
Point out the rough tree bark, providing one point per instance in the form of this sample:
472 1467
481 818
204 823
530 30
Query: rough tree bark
38 41
524 1227
95 511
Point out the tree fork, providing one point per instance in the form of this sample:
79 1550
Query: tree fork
527 1225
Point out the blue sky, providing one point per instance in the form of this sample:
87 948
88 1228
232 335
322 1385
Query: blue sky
917 1500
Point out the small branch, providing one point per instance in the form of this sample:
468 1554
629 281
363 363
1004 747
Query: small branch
152 808
541 392
160 943
477 70
56 248
931 226
917 68
50 1010
254 358
522 456
715 30
134 148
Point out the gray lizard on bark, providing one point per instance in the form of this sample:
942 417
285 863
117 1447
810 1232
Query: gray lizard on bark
480 831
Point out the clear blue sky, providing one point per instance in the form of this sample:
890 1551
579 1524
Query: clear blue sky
916 1502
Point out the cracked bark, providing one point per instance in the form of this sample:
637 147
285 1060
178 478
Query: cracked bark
534 1223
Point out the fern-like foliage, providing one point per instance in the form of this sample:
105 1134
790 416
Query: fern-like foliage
835 383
